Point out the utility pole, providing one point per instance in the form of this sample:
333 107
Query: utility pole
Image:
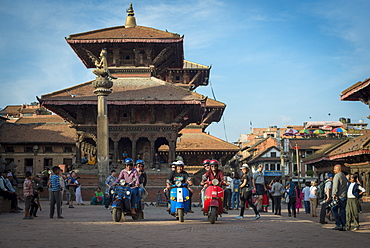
298 165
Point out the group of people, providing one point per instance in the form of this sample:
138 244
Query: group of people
135 176
338 195
8 190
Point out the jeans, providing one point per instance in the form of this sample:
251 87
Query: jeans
227 198
277 204
55 199
291 206
246 196
108 199
235 199
339 212
323 211
135 200
307 208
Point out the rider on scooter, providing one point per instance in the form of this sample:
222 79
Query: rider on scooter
204 179
179 175
131 176
215 173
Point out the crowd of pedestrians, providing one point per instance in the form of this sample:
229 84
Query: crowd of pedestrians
339 195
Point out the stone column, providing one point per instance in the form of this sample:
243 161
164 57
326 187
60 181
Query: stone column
172 151
133 150
78 152
152 143
102 87
115 153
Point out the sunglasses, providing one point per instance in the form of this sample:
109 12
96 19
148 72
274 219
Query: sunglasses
214 166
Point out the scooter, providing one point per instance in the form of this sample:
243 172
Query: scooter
121 204
179 200
213 201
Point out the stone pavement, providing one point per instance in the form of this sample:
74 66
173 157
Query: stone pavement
92 226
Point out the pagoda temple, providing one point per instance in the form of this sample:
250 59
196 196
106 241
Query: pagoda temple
152 97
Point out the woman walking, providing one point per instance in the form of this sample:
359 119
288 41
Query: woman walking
246 193
313 198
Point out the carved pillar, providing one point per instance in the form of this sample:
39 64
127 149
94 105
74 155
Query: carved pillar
152 143
78 152
171 151
102 86
133 149
115 152
78 142
116 57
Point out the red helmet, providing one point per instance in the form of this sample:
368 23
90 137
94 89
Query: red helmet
213 161
206 161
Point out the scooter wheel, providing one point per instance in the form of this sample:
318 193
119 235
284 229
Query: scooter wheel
117 214
180 214
213 215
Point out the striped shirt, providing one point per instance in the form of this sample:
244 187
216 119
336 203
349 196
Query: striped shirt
55 182
27 188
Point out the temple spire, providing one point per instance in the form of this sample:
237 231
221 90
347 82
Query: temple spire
130 19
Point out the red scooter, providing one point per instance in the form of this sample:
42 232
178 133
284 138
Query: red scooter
213 201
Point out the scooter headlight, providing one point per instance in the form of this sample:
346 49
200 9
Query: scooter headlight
215 182
178 183
128 192
122 182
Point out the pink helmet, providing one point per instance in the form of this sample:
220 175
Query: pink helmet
206 161
213 161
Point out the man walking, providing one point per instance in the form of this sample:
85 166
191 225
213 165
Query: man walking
108 187
259 186
339 193
327 198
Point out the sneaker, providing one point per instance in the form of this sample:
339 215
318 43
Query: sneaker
355 229
60 217
257 216
239 217
158 170
289 215
106 207
191 211
153 169
71 206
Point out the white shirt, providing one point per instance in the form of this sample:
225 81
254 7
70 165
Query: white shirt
306 193
313 192
350 190
228 181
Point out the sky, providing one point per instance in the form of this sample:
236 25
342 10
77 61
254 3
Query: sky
274 62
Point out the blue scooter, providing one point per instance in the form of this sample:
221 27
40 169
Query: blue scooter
179 200
121 204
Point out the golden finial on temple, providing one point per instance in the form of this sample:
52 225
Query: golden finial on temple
130 19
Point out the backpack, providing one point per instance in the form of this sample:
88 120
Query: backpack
320 192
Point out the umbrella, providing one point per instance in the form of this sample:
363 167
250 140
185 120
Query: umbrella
318 131
339 130
304 132
326 128
291 132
